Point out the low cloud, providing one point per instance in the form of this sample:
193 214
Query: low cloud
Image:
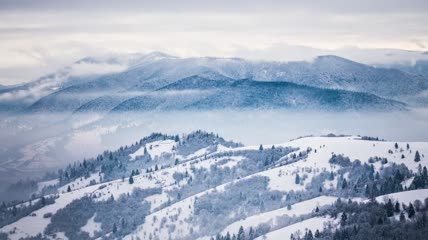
51 83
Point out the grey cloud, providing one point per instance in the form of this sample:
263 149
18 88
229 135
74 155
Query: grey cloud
219 5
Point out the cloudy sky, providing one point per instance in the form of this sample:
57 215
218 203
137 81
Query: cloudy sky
37 37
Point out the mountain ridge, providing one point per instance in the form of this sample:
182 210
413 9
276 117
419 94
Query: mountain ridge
155 71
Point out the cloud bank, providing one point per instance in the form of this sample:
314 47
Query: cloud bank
41 36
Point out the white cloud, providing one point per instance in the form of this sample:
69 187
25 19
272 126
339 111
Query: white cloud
48 84
101 68
51 34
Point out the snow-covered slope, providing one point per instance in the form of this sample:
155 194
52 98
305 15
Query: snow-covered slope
93 84
275 191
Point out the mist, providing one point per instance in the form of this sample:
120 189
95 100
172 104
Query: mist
36 143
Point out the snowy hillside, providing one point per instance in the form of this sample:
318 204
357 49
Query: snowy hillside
201 186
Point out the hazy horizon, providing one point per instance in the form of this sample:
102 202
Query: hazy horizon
39 38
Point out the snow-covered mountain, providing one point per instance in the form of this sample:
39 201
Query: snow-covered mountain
201 186
111 83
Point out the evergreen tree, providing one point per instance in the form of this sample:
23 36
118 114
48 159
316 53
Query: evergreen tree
402 217
417 157
389 208
68 188
131 180
261 147
309 236
114 228
397 207
377 177
297 180
343 219
122 223
396 145
344 184
251 234
317 233
14 210
241 234
411 211
176 161
156 167
228 236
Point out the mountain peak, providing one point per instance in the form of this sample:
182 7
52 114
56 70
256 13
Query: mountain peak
156 55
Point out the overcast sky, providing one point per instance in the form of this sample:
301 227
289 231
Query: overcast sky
37 37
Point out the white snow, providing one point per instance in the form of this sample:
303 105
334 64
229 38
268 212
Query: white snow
91 226
61 236
297 209
297 229
406 183
80 183
405 197
354 148
155 149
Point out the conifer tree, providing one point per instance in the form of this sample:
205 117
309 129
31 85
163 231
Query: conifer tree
317 233
402 217
297 180
397 207
417 157
251 234
411 211
241 234
309 236
389 209
344 184
343 219
114 228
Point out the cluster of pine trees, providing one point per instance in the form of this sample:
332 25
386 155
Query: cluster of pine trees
11 213
375 220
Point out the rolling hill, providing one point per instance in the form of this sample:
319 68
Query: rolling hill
201 186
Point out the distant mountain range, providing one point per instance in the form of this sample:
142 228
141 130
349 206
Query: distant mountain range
158 81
